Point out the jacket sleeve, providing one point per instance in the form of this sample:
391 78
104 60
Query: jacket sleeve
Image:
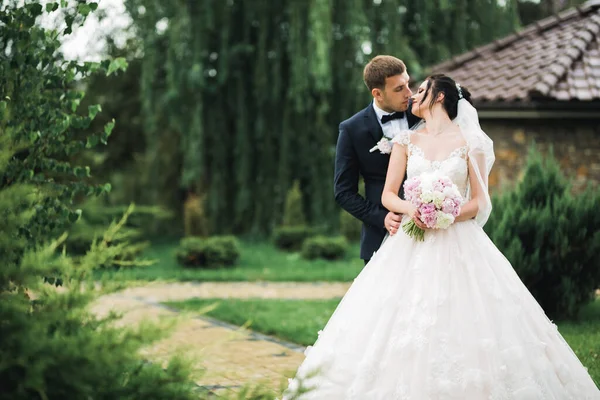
346 184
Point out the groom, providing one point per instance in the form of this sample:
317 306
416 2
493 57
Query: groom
387 79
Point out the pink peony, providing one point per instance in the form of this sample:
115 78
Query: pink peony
449 206
428 214
412 190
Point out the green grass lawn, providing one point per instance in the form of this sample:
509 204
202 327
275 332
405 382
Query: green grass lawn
259 261
299 321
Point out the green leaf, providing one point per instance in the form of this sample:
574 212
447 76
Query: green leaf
93 110
75 104
93 6
92 141
107 187
69 21
84 9
81 172
74 216
51 7
108 128
35 9
119 63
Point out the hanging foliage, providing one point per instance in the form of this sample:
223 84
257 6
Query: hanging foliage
242 98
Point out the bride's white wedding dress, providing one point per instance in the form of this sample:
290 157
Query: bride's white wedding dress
447 318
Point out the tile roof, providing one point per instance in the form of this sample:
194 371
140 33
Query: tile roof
556 59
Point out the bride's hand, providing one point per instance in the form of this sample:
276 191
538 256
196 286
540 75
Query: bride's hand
415 215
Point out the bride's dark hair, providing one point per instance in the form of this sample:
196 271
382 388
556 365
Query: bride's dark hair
440 83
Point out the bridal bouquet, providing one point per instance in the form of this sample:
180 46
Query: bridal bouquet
437 199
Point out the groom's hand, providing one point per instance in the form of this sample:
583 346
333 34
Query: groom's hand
392 222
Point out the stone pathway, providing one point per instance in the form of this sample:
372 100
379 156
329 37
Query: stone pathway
232 356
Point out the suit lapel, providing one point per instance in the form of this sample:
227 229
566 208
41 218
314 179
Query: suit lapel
372 123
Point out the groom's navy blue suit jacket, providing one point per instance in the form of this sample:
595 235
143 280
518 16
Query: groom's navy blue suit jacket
357 135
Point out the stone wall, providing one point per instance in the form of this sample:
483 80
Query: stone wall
576 145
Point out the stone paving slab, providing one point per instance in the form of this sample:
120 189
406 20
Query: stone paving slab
231 356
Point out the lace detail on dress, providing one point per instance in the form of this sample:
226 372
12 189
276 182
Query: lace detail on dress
454 165
403 138
458 152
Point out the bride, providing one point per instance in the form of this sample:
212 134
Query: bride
448 317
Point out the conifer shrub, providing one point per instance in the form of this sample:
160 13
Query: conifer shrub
550 235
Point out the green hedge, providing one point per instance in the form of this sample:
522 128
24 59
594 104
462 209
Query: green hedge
216 251
290 238
328 248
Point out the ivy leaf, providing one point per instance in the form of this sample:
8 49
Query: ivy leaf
93 110
107 130
74 216
84 9
35 9
92 141
119 63
51 7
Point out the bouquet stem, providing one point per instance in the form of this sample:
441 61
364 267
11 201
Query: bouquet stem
412 230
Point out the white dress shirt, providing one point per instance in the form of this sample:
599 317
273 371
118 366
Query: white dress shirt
390 128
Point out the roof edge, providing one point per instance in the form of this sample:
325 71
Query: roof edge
537 26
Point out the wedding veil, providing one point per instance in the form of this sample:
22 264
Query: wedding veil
481 156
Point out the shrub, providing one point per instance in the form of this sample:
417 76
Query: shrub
52 347
328 248
551 237
195 219
216 251
293 214
290 238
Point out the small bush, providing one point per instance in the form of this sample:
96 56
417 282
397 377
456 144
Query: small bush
293 214
216 251
328 248
551 237
194 216
290 238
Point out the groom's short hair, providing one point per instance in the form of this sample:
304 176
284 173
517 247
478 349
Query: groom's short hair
380 68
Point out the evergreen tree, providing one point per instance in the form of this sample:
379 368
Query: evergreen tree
52 347
551 237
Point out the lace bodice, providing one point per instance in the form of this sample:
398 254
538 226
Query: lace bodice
454 165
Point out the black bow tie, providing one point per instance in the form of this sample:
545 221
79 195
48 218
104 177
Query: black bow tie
389 117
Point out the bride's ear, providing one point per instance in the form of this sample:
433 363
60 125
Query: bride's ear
440 98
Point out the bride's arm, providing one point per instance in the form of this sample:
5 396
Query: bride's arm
395 176
470 209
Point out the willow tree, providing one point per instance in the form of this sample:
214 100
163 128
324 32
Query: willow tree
242 98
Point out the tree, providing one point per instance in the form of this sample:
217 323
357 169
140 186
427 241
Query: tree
240 99
52 348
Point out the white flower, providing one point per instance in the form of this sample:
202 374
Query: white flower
438 198
384 146
444 220
451 191
427 196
